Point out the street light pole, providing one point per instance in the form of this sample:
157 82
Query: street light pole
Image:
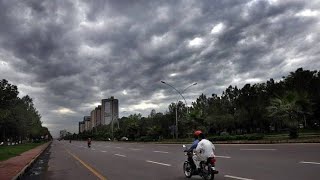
178 101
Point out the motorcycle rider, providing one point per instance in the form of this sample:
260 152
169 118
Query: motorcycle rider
196 140
194 146
89 142
204 150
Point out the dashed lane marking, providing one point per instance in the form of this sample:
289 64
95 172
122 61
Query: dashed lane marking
306 162
227 157
258 149
236 177
165 152
120 155
159 163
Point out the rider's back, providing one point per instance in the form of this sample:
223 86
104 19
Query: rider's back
206 148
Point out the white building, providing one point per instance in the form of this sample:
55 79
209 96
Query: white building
87 123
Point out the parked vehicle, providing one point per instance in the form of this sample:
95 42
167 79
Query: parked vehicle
124 139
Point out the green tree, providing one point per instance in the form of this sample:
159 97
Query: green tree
289 109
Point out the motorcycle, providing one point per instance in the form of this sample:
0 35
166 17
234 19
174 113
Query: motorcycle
207 168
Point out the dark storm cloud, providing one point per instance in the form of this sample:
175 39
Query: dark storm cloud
70 54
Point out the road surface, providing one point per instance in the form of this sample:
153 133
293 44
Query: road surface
128 161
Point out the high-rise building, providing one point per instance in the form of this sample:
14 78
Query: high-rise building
87 123
109 110
81 126
98 115
93 118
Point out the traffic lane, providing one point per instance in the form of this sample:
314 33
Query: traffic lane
276 161
63 166
150 153
255 159
140 169
117 167
175 157
259 162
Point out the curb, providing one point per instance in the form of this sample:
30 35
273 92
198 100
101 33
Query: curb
26 168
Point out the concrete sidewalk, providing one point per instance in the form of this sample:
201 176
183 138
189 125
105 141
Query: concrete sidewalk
15 166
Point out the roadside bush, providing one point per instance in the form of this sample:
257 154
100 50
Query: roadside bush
293 133
146 139
237 137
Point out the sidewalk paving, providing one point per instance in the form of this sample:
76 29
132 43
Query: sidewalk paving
12 167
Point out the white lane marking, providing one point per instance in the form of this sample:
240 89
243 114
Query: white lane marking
257 149
235 177
165 152
118 147
163 164
223 157
120 155
93 149
163 146
305 162
107 146
134 149
103 151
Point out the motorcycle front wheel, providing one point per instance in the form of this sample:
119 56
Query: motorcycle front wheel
187 169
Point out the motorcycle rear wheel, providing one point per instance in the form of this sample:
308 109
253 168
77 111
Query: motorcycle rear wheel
208 174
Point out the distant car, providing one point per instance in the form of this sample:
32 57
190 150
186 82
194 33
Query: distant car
124 139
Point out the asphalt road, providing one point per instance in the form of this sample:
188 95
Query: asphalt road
128 161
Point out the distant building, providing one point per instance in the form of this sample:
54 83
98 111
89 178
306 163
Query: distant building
63 133
98 115
81 126
109 110
87 123
93 118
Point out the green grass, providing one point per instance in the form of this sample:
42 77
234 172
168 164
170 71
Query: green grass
7 152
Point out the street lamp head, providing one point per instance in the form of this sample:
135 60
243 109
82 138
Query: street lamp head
163 82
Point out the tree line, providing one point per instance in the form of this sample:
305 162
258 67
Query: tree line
19 119
269 107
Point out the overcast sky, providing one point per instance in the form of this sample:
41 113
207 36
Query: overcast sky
68 55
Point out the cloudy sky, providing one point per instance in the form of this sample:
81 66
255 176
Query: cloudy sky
68 55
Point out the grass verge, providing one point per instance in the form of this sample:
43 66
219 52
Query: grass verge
7 152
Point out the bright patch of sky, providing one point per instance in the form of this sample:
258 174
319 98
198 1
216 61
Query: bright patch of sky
217 28
196 42
64 110
308 13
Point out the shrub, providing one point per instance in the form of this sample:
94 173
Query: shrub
237 137
293 133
